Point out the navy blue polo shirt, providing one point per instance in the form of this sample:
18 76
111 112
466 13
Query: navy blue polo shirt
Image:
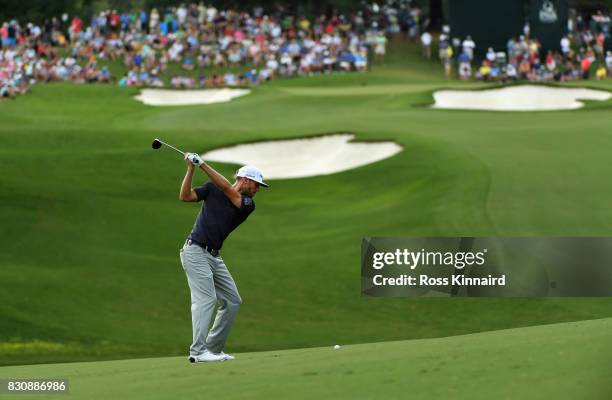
218 216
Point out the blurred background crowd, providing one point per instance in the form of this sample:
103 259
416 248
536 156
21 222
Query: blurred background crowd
580 54
200 45
225 47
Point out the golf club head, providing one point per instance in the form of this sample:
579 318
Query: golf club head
156 144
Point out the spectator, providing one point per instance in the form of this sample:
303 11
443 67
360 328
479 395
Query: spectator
511 72
465 67
565 46
426 40
448 62
484 71
468 47
551 63
601 72
585 66
490 55
381 47
600 41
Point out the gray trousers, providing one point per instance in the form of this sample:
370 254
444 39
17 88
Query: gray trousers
210 283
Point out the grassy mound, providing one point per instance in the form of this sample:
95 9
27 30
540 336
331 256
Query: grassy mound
560 361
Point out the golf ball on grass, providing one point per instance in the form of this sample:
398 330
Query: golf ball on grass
337 347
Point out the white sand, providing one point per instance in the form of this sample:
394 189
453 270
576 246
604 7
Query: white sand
162 97
300 158
518 98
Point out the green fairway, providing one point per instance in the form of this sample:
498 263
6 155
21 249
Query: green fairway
92 225
543 362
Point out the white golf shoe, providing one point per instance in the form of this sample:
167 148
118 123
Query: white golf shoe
207 356
227 356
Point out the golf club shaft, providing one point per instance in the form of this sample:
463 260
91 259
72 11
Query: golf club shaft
172 147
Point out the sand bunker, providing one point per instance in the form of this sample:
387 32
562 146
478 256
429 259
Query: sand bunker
300 158
160 97
518 98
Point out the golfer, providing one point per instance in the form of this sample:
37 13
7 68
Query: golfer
225 207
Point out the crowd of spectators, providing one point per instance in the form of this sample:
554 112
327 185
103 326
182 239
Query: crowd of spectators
198 45
580 54
32 53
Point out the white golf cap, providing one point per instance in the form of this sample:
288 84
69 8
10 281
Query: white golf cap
253 174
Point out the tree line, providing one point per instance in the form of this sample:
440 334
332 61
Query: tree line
40 10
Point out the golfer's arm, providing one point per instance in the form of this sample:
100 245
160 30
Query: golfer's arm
187 193
223 184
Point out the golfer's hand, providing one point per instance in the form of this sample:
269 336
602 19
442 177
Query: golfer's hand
189 164
194 159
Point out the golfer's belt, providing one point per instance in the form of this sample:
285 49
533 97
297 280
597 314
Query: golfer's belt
213 252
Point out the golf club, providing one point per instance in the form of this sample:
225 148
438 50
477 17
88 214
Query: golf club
158 143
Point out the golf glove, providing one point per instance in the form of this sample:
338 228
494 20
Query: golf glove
195 159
